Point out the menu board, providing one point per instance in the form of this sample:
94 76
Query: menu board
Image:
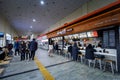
111 38
83 35
105 38
92 34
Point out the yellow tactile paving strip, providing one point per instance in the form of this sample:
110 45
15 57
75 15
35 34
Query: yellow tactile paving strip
43 70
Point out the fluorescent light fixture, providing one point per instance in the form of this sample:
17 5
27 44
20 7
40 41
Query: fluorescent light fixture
34 20
42 2
31 27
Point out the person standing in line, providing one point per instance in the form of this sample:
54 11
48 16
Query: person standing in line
27 54
16 46
23 49
33 48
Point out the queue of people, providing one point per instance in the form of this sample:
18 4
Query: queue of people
26 49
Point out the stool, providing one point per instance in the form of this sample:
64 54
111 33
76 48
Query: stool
89 62
99 61
111 64
81 57
1 70
59 51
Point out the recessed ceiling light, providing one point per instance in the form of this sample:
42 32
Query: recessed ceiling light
42 2
34 20
31 27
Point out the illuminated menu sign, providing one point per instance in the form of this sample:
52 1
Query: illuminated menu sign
92 34
61 32
83 35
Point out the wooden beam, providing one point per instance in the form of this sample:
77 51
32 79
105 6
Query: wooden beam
88 15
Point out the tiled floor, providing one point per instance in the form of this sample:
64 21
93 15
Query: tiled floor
21 70
73 70
61 68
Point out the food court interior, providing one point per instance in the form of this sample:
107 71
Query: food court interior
74 39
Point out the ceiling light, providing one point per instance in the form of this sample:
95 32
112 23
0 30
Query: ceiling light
34 20
31 27
42 2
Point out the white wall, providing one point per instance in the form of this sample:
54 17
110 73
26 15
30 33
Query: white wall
6 28
84 9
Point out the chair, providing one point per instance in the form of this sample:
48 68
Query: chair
1 70
81 57
59 51
91 61
99 58
99 61
111 65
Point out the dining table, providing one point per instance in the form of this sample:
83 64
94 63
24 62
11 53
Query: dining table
105 54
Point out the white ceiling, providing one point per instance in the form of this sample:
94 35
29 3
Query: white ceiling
20 13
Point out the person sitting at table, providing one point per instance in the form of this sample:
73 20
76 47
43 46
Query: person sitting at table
89 52
2 54
99 44
75 51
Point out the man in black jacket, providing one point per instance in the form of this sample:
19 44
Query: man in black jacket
33 48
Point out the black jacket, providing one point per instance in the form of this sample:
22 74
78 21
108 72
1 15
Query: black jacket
56 46
75 51
33 46
70 49
2 56
90 53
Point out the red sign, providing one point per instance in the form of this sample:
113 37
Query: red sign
92 34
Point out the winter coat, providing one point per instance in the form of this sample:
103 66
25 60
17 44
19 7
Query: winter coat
17 45
70 49
56 46
90 53
23 48
33 46
75 51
